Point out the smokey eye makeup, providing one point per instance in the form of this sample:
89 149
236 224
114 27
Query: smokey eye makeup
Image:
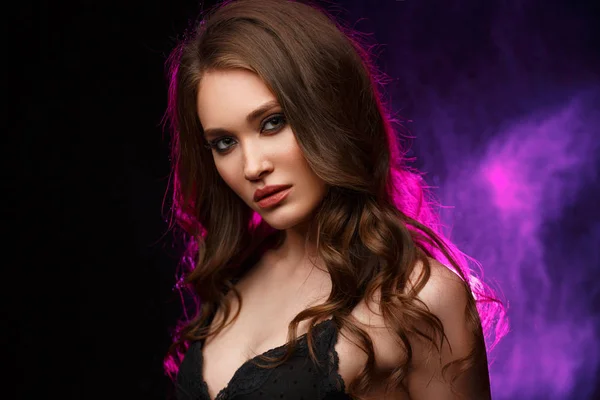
278 120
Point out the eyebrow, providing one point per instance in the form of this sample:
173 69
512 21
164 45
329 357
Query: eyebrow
250 118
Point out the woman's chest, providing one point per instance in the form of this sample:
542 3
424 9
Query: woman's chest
261 326
225 354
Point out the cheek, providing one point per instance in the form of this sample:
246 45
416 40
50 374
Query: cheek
227 176
292 155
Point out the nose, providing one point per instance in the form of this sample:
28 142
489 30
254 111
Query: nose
255 164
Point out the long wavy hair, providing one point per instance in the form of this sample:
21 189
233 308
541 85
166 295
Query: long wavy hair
377 219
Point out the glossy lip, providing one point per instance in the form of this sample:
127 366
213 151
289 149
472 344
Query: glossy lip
268 190
274 198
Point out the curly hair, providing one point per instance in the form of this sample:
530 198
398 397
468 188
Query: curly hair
376 220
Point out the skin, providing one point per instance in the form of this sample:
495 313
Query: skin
260 153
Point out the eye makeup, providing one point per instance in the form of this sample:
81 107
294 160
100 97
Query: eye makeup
275 119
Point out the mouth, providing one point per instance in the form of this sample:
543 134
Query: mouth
274 198
268 191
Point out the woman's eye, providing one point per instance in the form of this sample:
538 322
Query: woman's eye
277 120
215 144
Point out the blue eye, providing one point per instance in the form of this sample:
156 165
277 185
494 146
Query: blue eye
277 119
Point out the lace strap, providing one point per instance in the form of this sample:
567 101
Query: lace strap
332 382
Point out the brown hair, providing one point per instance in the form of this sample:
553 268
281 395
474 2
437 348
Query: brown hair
376 220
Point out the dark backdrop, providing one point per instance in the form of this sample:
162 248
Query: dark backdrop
504 91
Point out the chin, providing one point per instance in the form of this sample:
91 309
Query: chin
281 222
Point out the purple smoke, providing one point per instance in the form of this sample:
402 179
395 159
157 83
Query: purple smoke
529 176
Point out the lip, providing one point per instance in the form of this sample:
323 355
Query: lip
275 198
268 190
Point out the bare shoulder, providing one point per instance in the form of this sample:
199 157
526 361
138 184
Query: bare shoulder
448 298
445 295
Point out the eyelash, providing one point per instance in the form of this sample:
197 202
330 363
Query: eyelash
213 143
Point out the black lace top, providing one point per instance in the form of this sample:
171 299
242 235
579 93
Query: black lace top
297 379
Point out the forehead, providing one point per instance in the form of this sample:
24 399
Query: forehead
226 93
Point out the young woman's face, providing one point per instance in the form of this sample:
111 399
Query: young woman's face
252 154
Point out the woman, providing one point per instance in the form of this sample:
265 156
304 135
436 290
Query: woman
315 256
